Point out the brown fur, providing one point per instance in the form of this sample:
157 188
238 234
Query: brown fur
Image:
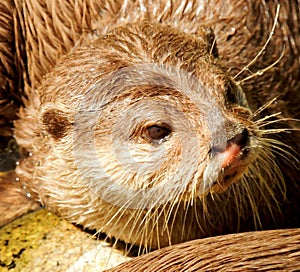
13 201
78 45
254 251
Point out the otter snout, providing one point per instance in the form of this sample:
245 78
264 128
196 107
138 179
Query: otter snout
234 148
228 164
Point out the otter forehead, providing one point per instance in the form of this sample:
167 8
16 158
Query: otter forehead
134 44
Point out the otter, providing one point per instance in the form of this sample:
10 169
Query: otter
250 251
157 123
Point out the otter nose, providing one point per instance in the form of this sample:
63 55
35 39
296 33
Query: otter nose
240 139
234 147
227 162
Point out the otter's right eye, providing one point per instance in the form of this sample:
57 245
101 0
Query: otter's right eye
156 133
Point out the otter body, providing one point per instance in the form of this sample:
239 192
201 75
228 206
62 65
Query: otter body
250 251
157 123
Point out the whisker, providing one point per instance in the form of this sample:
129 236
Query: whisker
254 208
260 122
183 230
262 71
238 204
282 151
212 46
262 108
246 68
276 131
197 216
174 212
166 228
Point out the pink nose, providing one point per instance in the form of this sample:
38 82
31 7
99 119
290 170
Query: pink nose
230 155
234 148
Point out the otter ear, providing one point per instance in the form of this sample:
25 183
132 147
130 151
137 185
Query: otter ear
207 34
54 122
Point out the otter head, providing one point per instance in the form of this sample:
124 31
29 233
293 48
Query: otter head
139 128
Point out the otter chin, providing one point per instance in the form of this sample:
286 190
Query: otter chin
143 132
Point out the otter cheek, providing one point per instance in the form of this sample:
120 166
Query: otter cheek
55 123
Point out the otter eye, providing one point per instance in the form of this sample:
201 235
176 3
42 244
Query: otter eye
157 132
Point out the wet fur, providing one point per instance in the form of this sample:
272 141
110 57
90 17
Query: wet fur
253 251
271 184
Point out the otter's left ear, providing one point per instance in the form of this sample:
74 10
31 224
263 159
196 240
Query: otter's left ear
54 122
207 34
